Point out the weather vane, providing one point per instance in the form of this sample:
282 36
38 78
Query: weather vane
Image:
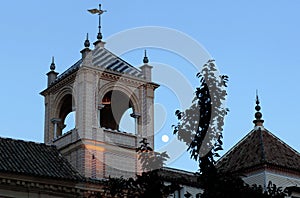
99 12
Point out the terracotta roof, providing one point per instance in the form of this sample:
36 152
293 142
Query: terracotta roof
34 159
259 147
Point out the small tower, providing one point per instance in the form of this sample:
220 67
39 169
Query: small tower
99 89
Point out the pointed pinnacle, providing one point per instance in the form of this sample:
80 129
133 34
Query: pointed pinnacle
258 115
145 60
257 99
52 66
87 42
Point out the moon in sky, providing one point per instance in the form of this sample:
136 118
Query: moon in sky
165 138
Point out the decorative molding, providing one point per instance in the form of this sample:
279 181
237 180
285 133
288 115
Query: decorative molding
54 88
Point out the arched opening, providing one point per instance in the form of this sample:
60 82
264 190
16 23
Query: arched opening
66 116
114 105
69 122
127 122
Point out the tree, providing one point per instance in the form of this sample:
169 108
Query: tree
201 126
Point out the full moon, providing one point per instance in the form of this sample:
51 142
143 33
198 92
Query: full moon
165 138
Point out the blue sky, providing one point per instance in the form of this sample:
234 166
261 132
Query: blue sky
256 43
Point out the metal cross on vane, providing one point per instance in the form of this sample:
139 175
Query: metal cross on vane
99 12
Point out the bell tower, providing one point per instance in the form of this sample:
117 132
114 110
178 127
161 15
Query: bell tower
99 89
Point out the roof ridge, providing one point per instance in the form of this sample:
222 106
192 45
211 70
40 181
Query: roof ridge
263 154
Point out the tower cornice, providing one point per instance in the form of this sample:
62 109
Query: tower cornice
53 88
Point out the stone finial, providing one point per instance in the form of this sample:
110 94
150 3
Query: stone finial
52 75
99 36
52 66
87 42
258 115
86 50
146 68
145 60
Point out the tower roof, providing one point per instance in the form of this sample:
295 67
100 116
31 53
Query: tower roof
106 60
260 147
109 61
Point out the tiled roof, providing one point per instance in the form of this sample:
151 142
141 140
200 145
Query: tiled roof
106 60
259 147
34 159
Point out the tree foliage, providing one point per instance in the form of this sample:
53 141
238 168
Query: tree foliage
149 159
201 126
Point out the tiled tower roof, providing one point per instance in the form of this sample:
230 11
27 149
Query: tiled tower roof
260 147
106 60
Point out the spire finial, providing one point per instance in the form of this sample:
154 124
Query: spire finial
87 42
145 60
258 115
52 66
99 12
